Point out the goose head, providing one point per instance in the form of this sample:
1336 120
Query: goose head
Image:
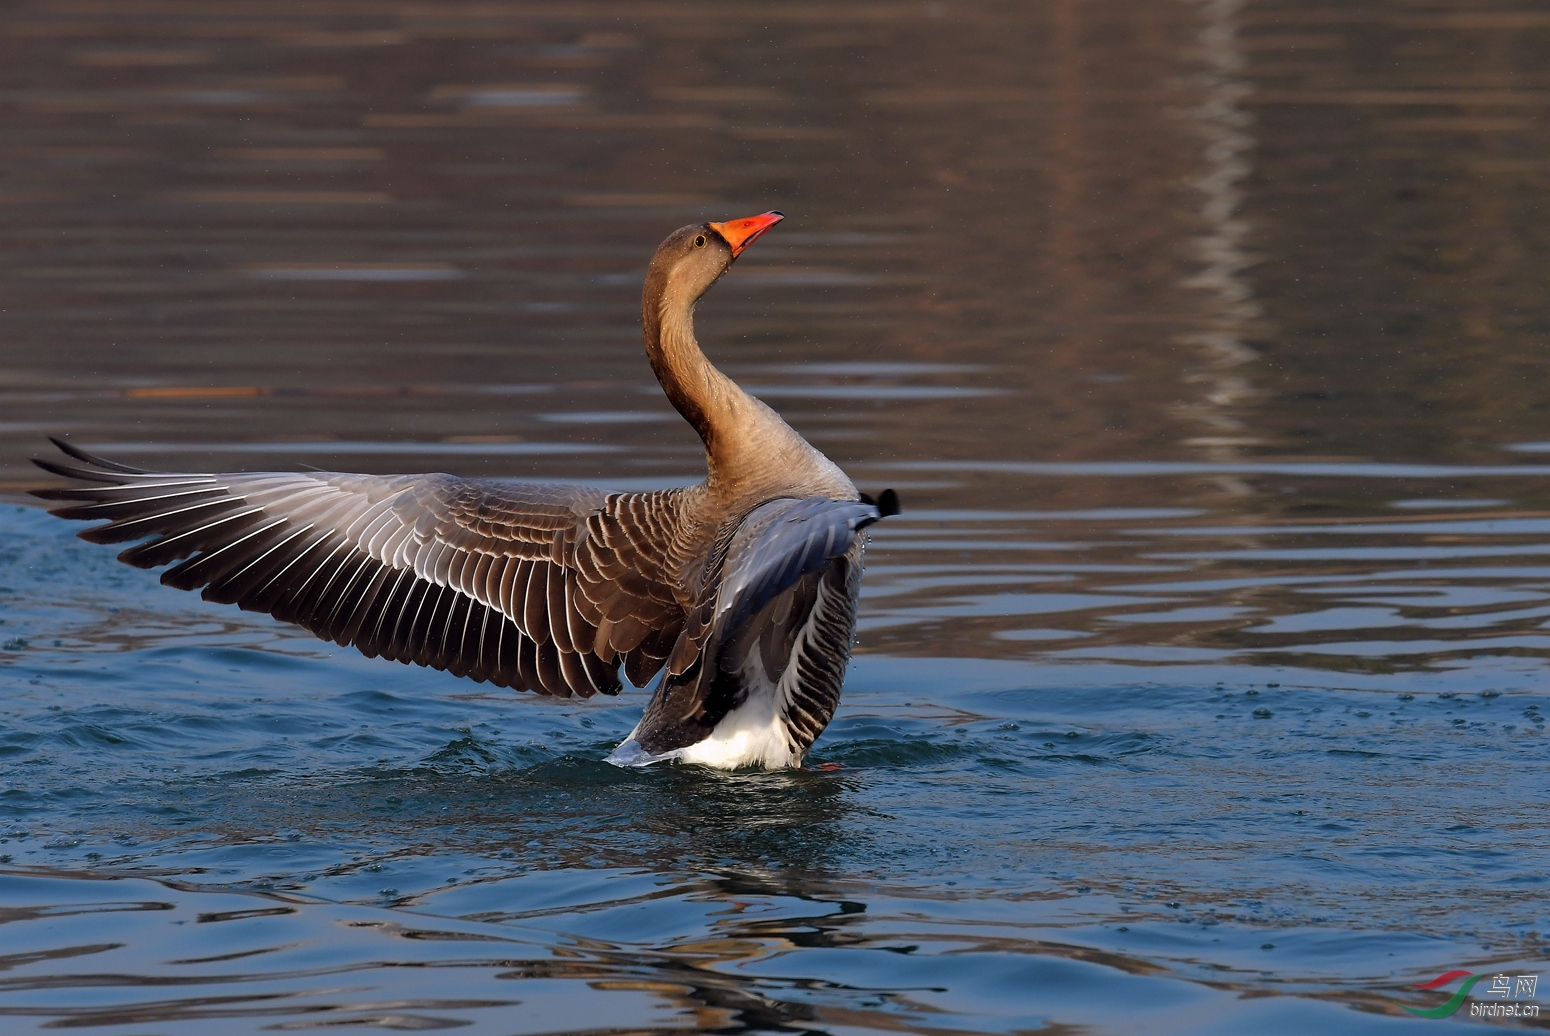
694 257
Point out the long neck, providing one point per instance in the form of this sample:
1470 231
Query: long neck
705 397
748 448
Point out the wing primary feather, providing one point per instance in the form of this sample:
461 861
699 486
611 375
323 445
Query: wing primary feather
394 607
434 643
91 458
453 632
267 596
441 650
121 491
150 524
232 587
329 628
482 667
144 499
469 642
360 614
414 600
414 641
213 564
473 638
482 579
460 661
170 548
297 604
53 467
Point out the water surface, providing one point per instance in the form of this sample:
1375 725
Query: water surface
1200 687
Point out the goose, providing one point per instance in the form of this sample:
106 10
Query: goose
739 591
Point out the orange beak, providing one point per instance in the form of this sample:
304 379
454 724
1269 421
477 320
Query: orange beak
740 233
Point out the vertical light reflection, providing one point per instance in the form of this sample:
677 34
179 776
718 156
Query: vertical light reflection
1071 305
1231 311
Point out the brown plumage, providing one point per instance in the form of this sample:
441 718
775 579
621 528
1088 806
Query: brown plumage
742 588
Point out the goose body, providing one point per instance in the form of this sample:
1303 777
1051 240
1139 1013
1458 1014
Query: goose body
739 591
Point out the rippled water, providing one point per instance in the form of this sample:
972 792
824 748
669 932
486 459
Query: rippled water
1201 685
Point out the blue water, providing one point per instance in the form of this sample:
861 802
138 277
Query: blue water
1201 687
1200 843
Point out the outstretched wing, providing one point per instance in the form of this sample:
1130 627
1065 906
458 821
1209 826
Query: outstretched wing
773 548
540 587
785 597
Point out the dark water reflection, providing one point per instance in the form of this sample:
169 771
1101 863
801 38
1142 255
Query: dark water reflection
1201 684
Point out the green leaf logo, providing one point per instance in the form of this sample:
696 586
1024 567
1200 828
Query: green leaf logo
1454 1003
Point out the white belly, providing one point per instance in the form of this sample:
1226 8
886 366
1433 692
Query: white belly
755 733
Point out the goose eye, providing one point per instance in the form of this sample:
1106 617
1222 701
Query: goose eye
699 242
